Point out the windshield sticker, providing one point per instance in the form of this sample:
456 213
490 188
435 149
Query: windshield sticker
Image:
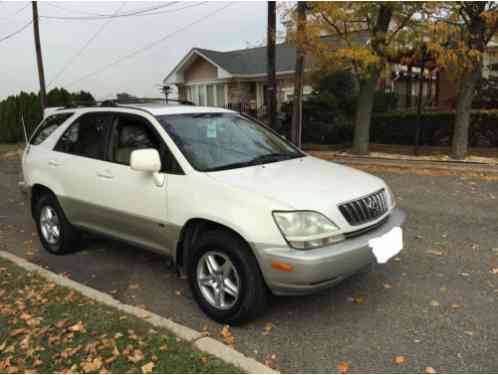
211 130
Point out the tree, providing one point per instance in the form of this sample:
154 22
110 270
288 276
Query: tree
297 115
462 32
360 36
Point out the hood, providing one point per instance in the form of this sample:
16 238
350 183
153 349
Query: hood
306 183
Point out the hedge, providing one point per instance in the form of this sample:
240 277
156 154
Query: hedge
399 128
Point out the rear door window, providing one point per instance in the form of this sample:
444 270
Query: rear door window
86 136
48 126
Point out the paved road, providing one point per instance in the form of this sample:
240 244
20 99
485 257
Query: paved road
436 304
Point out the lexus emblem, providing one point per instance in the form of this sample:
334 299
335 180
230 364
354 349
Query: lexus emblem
372 204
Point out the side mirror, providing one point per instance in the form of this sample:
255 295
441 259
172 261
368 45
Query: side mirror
146 160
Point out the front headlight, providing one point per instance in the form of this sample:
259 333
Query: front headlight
306 229
391 197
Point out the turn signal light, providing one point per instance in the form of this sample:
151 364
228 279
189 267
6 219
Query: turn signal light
281 266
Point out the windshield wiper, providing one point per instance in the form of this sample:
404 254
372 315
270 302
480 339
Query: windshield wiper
262 159
269 158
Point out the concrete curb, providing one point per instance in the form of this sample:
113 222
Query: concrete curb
450 166
197 339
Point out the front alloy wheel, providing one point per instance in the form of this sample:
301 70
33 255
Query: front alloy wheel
218 280
225 278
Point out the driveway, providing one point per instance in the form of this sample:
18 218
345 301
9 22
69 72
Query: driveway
436 305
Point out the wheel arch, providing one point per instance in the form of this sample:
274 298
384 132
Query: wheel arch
193 229
37 191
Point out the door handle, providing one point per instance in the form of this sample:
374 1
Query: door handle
54 163
105 174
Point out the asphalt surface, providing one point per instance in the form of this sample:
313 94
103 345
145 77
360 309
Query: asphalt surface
436 304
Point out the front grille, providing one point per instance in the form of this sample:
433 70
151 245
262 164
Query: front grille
365 209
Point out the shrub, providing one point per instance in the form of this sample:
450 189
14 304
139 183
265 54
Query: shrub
436 128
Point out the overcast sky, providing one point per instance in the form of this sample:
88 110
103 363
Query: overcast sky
239 25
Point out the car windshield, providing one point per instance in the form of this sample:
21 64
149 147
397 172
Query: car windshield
216 141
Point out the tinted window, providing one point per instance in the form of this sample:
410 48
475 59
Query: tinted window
48 126
130 133
86 136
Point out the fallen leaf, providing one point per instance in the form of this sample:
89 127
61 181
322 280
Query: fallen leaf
435 252
429 370
78 327
434 303
91 365
137 356
267 329
147 368
399 359
494 271
134 286
227 335
387 286
343 367
359 300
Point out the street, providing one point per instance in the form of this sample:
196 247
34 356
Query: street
435 305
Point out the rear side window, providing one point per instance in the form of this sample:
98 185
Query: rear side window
86 136
48 126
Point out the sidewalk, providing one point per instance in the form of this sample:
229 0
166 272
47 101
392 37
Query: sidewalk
451 167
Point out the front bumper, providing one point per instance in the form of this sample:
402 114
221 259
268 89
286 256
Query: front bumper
317 269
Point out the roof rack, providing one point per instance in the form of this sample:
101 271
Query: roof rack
117 102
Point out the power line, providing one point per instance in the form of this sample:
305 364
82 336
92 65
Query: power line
91 18
16 32
130 12
148 46
85 46
96 16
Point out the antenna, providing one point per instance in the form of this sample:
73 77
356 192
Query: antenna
24 129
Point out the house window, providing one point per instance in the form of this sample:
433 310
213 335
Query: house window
220 95
210 95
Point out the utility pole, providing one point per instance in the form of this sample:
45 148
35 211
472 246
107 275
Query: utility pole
297 110
39 58
272 79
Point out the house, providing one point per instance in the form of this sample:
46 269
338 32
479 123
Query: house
234 79
238 80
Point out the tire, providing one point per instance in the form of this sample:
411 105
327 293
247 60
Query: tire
252 296
47 207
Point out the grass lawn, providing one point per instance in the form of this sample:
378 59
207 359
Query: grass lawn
45 328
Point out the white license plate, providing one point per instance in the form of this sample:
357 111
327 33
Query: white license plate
387 245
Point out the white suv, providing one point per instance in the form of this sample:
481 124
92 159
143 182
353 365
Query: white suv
240 210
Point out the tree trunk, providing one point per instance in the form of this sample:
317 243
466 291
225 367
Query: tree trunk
364 106
297 109
463 107
272 77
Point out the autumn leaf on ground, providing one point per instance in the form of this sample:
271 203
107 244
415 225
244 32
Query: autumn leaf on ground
343 367
136 356
435 252
78 327
399 359
267 329
227 335
91 365
134 286
359 300
147 369
494 271
429 370
387 286
434 303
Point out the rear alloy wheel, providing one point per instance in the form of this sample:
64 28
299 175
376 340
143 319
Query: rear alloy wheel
50 226
56 234
225 278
